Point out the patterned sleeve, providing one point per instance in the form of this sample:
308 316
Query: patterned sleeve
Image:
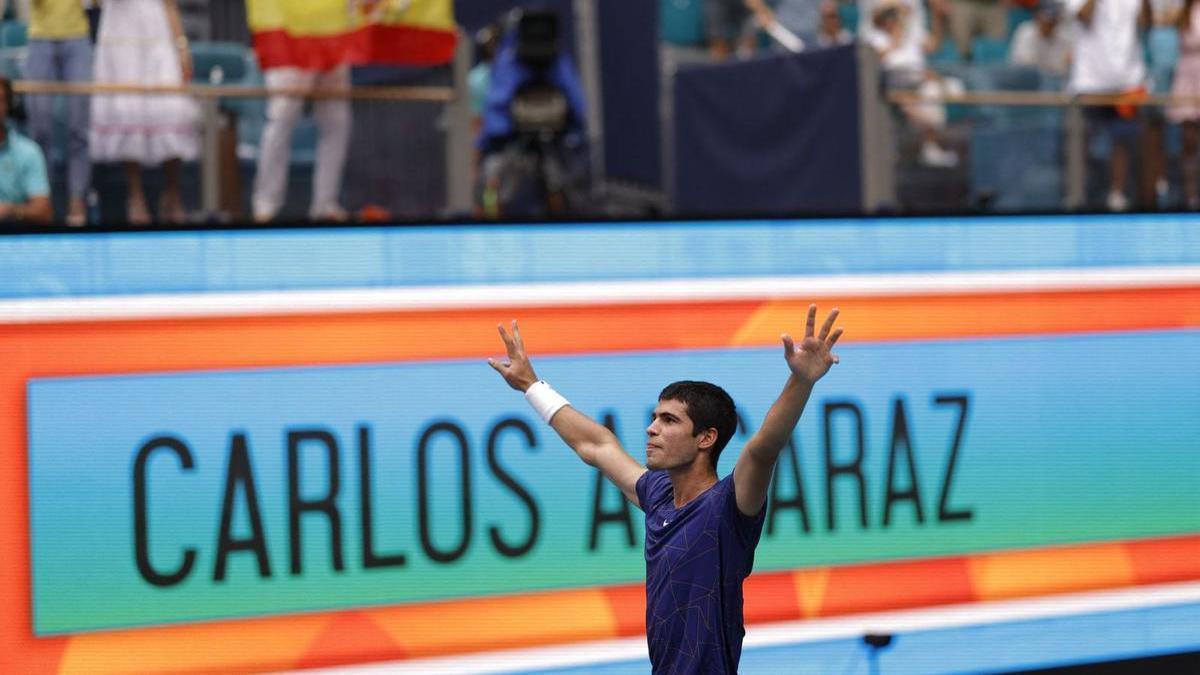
649 485
743 524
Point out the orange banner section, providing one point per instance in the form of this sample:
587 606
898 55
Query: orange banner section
461 626
101 347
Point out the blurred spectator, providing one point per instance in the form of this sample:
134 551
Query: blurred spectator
480 77
800 17
24 187
479 80
333 120
1187 83
833 33
1043 42
141 42
901 44
1108 59
60 51
727 24
969 18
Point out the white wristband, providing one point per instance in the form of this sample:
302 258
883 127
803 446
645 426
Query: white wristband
545 400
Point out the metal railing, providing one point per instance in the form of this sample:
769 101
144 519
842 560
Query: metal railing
1074 130
455 119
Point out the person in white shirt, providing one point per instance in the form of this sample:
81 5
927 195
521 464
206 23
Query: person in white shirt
1108 59
901 44
1044 42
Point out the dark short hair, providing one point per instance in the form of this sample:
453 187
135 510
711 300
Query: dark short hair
709 406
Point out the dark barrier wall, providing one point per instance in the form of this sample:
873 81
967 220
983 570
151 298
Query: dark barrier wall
772 135
629 86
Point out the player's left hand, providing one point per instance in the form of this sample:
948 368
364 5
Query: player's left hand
813 357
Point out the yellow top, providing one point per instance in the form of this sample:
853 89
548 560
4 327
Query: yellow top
335 17
57 20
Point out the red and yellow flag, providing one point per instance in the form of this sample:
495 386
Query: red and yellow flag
321 34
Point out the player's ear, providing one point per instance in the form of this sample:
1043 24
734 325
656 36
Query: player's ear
708 438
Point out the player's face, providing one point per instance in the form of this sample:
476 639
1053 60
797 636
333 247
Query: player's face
670 442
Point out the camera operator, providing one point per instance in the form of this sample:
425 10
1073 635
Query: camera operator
532 138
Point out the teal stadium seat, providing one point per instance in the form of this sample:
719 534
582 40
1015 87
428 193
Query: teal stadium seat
682 22
13 34
946 55
231 59
848 13
13 41
986 50
238 67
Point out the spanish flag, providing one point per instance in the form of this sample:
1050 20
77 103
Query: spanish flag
321 34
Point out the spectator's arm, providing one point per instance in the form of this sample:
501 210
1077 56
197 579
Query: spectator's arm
180 40
939 11
763 15
36 210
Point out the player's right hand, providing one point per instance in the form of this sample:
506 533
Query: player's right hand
516 371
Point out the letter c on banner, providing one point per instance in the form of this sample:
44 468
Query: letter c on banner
141 535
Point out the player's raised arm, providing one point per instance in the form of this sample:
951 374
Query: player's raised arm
808 362
593 442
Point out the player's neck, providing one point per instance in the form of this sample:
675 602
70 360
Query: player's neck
690 482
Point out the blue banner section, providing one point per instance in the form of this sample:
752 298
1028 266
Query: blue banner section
250 260
189 496
776 135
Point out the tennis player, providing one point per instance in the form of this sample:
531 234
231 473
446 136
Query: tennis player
701 530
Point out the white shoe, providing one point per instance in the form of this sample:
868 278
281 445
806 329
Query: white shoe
1117 201
935 155
332 214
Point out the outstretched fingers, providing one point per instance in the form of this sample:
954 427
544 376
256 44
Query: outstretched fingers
812 321
789 346
831 342
828 325
516 331
510 342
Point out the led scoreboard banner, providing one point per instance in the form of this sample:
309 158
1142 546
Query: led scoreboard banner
307 470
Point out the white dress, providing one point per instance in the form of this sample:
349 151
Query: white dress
134 45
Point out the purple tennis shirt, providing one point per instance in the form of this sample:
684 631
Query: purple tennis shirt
696 559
